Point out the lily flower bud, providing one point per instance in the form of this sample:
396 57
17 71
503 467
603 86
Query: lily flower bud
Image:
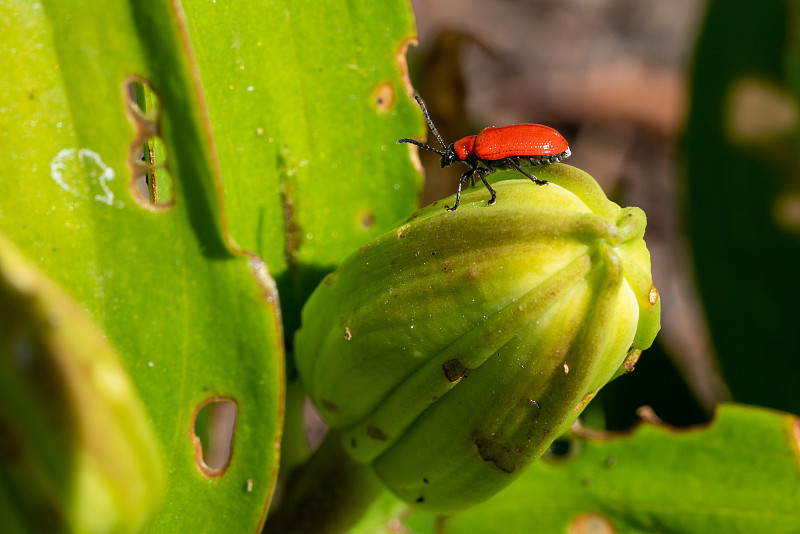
452 350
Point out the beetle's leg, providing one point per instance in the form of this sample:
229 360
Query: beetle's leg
483 173
513 163
464 177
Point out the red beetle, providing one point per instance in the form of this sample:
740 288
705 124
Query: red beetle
498 149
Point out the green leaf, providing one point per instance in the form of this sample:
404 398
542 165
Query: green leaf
192 316
307 100
742 195
737 474
77 450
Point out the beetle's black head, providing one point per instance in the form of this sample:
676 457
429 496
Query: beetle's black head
448 156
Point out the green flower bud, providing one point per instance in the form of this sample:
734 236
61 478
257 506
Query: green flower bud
454 349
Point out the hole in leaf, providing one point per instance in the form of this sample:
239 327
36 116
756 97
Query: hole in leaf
561 450
141 186
212 435
142 100
151 183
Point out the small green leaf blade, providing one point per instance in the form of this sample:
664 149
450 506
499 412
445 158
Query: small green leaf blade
737 474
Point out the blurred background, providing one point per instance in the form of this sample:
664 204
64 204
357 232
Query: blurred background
611 75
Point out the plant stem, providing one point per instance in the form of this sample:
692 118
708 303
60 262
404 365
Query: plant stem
326 495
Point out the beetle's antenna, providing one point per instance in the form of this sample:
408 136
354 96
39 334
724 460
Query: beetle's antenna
430 122
423 145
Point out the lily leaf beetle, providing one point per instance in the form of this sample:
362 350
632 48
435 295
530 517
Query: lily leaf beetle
498 149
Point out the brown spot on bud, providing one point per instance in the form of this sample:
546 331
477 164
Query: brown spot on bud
652 296
582 404
376 433
401 230
328 405
496 452
454 370
631 359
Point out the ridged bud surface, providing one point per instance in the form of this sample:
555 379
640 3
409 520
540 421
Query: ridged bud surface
454 349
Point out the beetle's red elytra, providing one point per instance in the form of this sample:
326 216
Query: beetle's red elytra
496 149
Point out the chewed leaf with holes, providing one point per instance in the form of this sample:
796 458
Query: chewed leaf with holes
192 316
739 474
